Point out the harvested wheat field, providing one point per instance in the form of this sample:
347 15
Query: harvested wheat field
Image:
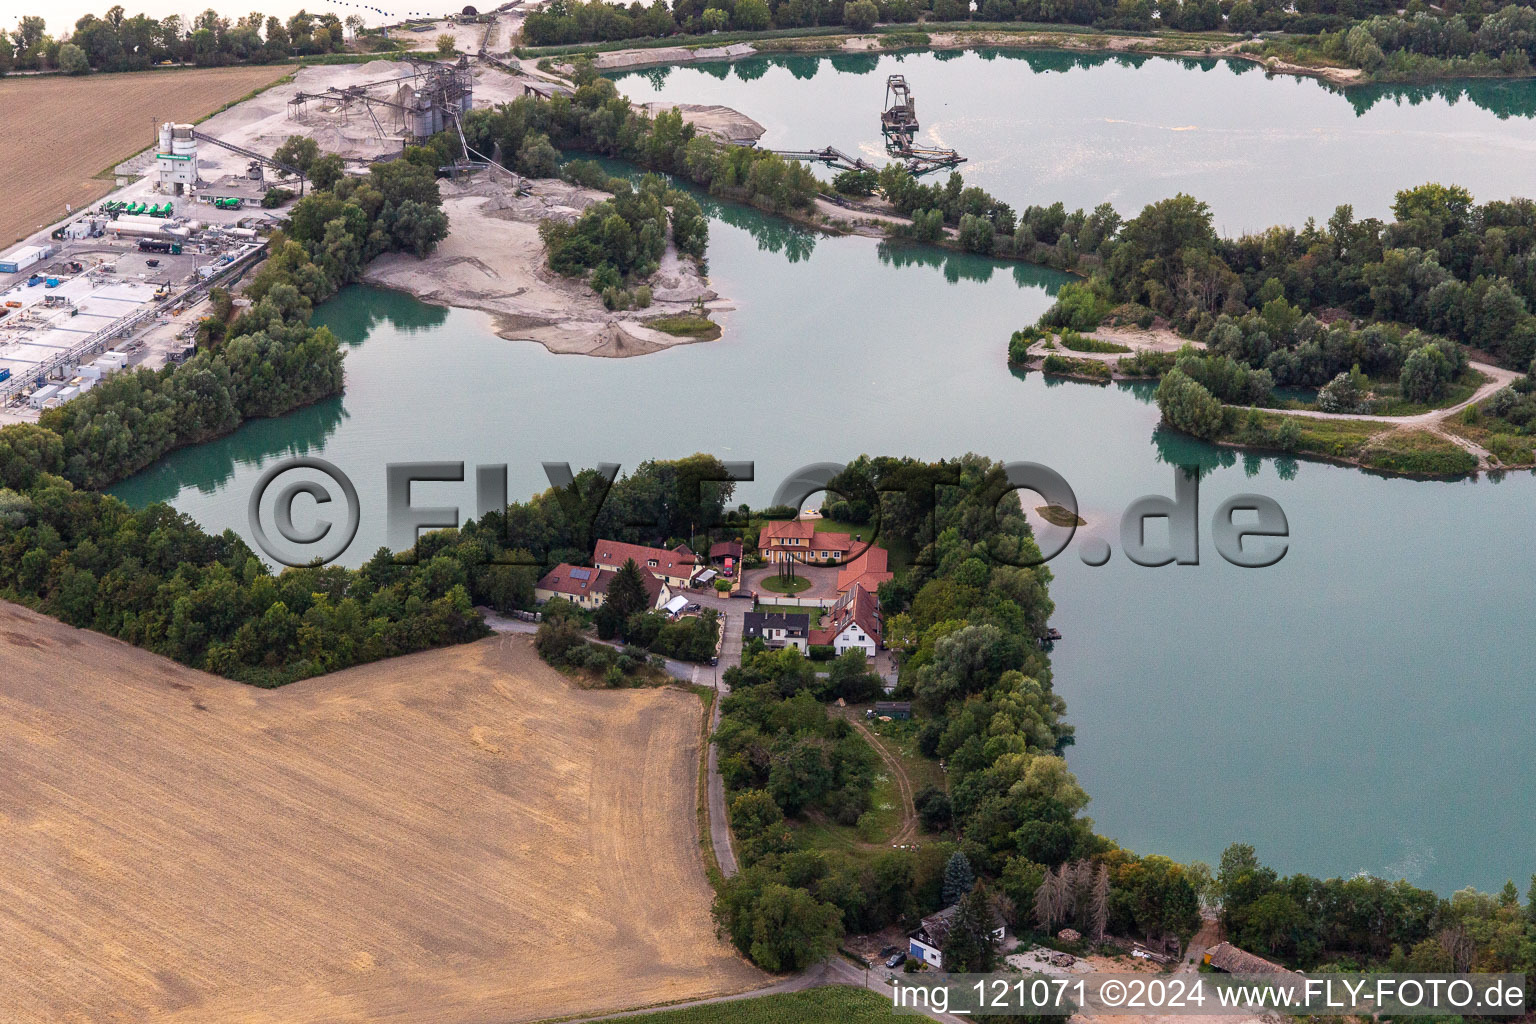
61 132
456 836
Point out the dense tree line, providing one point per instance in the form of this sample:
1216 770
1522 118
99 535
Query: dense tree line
572 21
596 119
1366 923
1422 42
116 41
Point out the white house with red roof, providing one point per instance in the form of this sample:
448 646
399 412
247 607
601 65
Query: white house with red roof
853 624
676 568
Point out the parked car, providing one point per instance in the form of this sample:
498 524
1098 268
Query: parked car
692 608
896 959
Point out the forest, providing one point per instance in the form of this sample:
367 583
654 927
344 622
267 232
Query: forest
116 41
598 120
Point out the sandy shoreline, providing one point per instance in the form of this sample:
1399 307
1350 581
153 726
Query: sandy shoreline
493 261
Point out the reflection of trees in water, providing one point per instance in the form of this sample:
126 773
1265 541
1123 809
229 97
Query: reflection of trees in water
772 234
1144 391
714 69
751 69
208 467
357 310
963 266
657 76
956 266
855 63
1504 98
1176 449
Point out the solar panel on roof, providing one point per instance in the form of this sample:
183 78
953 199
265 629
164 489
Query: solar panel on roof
581 574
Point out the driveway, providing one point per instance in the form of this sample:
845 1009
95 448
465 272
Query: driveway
823 580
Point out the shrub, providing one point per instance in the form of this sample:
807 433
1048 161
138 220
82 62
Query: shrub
1188 406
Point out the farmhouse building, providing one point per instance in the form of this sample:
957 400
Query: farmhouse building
778 629
675 568
927 943
588 587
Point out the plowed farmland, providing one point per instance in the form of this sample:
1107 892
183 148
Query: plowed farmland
455 836
60 132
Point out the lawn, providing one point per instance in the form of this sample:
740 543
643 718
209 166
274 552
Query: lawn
784 584
687 325
833 1004
899 548
789 609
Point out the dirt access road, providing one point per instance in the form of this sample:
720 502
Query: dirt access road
453 836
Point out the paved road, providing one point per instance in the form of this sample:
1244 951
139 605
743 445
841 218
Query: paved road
730 654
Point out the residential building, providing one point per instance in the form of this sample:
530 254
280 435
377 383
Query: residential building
778 629
675 568
868 570
854 624
795 540
588 587
927 943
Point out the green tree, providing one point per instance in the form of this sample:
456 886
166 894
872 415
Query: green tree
860 15
751 15
298 151
1188 406
971 944
445 45
72 60
536 158
958 878
627 593
326 171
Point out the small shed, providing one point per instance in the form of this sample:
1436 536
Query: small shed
901 709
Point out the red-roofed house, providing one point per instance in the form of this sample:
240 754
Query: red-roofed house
674 568
795 540
869 570
855 623
588 587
